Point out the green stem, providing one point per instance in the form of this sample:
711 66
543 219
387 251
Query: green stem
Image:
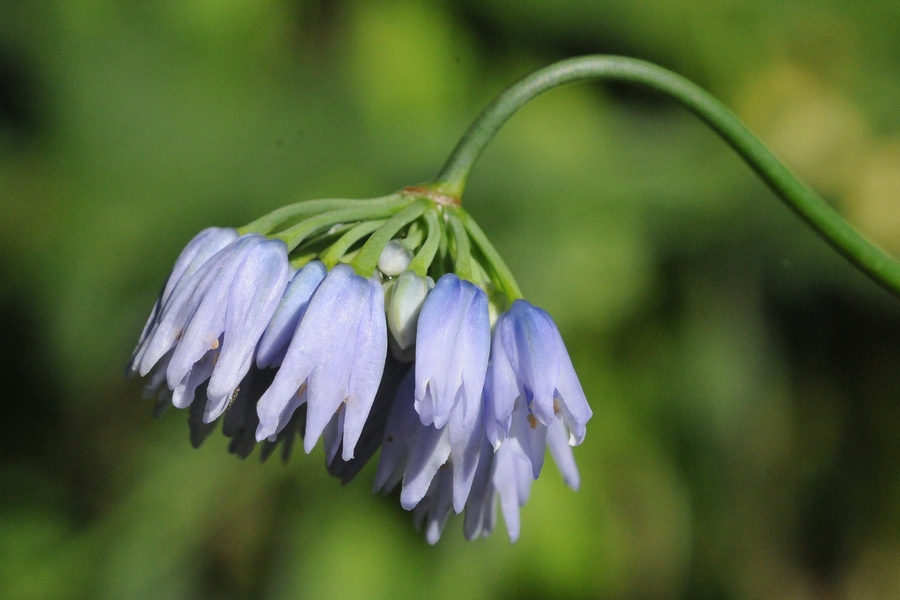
337 250
414 236
463 262
295 235
800 198
367 258
425 256
501 273
306 208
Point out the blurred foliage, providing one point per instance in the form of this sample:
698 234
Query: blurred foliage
743 377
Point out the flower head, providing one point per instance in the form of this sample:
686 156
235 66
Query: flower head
452 349
334 361
210 324
287 334
533 383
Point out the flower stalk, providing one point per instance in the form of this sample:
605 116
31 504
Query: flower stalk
451 181
395 323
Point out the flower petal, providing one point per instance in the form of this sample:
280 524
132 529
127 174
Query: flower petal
275 340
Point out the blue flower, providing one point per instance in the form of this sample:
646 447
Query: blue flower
463 416
533 385
421 455
452 349
274 342
334 362
197 252
209 325
504 474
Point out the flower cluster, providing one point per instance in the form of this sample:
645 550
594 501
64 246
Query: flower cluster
389 323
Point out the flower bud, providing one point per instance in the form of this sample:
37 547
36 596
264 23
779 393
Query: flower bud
404 298
394 259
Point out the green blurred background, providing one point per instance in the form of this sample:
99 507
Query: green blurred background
744 379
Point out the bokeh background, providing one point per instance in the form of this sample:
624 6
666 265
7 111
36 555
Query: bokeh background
745 380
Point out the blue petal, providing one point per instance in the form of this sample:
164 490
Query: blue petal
480 504
183 393
368 358
466 436
319 335
274 342
538 360
561 451
207 322
512 479
436 334
428 454
181 306
196 253
452 349
400 435
504 386
574 406
432 513
333 327
253 298
529 437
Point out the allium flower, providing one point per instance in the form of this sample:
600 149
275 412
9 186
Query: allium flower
420 454
452 349
334 361
209 325
533 384
195 254
287 335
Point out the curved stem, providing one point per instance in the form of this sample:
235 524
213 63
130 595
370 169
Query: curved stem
499 271
425 255
337 250
307 208
800 198
367 258
463 252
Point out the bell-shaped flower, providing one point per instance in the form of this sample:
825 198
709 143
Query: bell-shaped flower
334 361
533 383
231 315
195 254
274 342
452 349
213 320
403 302
418 454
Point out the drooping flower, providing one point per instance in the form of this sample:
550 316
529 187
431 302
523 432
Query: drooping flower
533 384
418 454
334 361
452 349
504 474
463 416
208 328
204 245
